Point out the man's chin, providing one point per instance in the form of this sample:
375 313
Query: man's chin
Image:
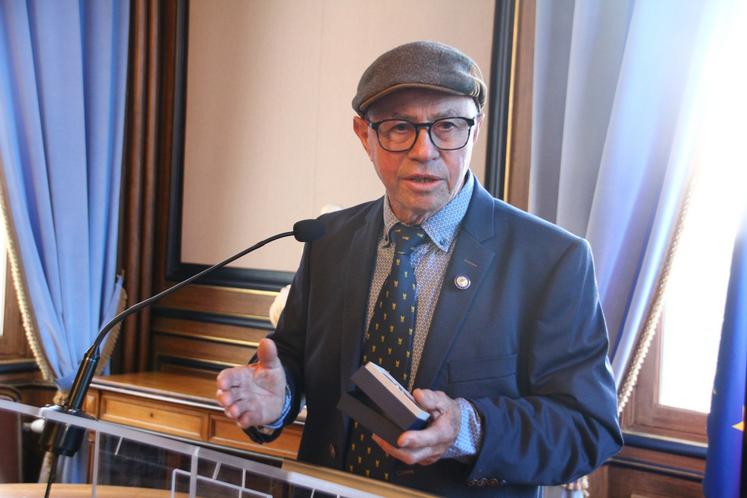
417 213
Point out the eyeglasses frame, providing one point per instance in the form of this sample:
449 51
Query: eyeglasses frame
418 126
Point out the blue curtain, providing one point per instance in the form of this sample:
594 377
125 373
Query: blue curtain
726 422
63 68
615 112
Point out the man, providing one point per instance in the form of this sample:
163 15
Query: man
502 337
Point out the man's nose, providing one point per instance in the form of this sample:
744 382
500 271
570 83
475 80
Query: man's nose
423 148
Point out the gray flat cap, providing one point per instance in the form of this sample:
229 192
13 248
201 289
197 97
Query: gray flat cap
420 64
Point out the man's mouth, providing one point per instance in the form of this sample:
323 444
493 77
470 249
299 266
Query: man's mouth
424 179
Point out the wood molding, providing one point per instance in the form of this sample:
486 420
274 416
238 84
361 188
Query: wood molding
224 300
688 467
181 406
519 140
501 85
137 227
626 482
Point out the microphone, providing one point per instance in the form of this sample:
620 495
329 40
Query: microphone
62 439
308 230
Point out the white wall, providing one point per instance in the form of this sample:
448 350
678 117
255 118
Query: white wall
268 136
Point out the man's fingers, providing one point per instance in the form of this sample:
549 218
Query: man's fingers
267 354
253 394
229 377
384 445
431 436
240 407
225 398
388 448
409 456
246 420
431 400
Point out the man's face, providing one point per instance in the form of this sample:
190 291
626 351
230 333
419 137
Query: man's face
422 180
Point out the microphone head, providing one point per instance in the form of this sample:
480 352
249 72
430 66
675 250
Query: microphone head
308 230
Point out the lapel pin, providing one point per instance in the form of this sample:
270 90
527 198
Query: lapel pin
462 282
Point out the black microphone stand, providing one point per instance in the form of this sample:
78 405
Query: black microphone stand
64 439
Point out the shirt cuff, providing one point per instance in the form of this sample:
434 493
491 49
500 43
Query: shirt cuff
277 424
468 439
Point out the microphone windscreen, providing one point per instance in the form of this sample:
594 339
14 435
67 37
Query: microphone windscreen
308 230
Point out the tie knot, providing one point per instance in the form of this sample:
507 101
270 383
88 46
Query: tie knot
407 238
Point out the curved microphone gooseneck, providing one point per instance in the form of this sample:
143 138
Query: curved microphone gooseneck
63 439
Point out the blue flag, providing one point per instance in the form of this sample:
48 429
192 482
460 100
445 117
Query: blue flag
726 420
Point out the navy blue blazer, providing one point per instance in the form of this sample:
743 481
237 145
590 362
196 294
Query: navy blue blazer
526 343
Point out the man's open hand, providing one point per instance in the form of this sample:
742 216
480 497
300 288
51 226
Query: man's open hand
428 445
254 394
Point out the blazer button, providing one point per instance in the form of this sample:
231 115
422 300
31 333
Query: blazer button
332 451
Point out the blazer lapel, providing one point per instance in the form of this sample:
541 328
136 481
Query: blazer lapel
358 268
471 259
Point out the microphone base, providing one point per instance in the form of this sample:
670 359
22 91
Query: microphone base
60 438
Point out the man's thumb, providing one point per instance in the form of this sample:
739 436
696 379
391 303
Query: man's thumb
267 354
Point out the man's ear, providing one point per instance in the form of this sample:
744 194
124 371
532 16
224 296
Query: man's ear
360 127
479 119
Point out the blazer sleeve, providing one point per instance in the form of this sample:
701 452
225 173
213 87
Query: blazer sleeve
289 337
565 423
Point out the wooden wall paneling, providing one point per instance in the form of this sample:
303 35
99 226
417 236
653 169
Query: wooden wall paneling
10 450
225 432
183 407
645 472
217 332
230 301
139 178
215 322
688 467
17 362
199 352
625 482
13 343
138 412
599 482
19 371
36 393
172 54
186 368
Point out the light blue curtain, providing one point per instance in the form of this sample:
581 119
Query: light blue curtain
63 67
614 115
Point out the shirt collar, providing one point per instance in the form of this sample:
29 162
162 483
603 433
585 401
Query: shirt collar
442 227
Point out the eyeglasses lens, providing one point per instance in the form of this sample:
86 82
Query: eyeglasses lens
447 134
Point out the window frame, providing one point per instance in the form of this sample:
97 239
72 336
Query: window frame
645 415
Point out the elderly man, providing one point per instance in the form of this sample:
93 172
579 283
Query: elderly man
489 314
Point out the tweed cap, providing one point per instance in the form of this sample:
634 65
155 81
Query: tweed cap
420 64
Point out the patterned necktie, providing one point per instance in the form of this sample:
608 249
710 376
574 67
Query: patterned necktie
388 343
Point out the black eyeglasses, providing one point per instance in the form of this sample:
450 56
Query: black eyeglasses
399 135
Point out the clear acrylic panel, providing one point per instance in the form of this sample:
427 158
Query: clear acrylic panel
155 466
126 462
